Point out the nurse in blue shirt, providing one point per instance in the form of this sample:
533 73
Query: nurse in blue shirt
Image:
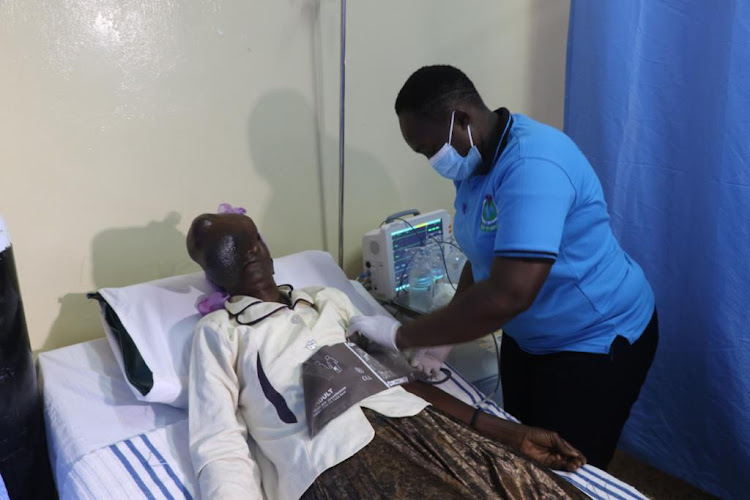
580 327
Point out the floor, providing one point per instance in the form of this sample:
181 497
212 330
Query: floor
652 482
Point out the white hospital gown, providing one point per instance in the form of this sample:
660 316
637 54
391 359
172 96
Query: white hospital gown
248 432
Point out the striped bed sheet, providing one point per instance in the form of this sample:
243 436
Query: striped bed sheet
591 480
156 464
153 465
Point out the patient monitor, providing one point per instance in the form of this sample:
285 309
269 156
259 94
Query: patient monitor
387 254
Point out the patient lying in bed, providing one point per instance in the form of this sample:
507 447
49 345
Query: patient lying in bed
248 433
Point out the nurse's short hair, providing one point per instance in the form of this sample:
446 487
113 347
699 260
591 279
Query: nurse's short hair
432 91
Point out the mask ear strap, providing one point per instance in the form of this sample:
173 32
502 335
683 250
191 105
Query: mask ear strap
450 134
470 139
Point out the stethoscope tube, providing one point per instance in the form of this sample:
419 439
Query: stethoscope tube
448 375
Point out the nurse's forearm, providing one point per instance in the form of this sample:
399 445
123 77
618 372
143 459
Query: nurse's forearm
472 315
483 308
465 281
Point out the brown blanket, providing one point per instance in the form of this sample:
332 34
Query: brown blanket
430 456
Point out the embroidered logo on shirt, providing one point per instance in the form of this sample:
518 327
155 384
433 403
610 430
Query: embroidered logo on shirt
488 221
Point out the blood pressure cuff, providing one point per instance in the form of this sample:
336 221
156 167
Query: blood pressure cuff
339 376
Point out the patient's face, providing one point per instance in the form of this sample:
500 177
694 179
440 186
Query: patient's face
234 255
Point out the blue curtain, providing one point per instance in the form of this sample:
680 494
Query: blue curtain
658 98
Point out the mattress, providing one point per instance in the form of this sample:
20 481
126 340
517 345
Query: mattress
89 405
104 443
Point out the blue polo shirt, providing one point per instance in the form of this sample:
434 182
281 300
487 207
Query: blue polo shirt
542 199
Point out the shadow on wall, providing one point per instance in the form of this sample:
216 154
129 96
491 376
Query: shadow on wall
120 257
548 54
299 161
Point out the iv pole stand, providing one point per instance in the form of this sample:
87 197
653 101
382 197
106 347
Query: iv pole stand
342 105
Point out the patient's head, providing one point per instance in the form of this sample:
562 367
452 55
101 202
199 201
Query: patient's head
230 250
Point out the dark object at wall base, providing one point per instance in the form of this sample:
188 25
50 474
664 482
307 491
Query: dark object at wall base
24 464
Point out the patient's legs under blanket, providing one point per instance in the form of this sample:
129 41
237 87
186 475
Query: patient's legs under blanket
433 456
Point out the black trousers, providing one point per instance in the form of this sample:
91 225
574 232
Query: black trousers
584 397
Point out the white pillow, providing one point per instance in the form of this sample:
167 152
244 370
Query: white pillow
160 317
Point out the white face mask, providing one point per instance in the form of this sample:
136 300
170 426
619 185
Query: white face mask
450 164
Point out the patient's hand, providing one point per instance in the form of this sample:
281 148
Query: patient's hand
549 449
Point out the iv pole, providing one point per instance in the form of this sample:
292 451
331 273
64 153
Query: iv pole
342 89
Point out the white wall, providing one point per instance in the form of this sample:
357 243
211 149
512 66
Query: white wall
123 119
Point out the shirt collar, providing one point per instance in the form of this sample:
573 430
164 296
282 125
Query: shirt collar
506 122
505 118
250 310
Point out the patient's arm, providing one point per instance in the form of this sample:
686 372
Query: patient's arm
221 458
541 445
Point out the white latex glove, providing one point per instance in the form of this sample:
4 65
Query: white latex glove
429 360
380 329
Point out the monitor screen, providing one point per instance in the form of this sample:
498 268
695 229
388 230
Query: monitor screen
411 237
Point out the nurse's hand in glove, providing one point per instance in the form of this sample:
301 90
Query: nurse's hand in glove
429 360
379 329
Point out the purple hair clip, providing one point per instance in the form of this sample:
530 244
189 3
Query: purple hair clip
226 208
215 300
211 302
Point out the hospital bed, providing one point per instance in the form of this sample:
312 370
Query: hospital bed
106 443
